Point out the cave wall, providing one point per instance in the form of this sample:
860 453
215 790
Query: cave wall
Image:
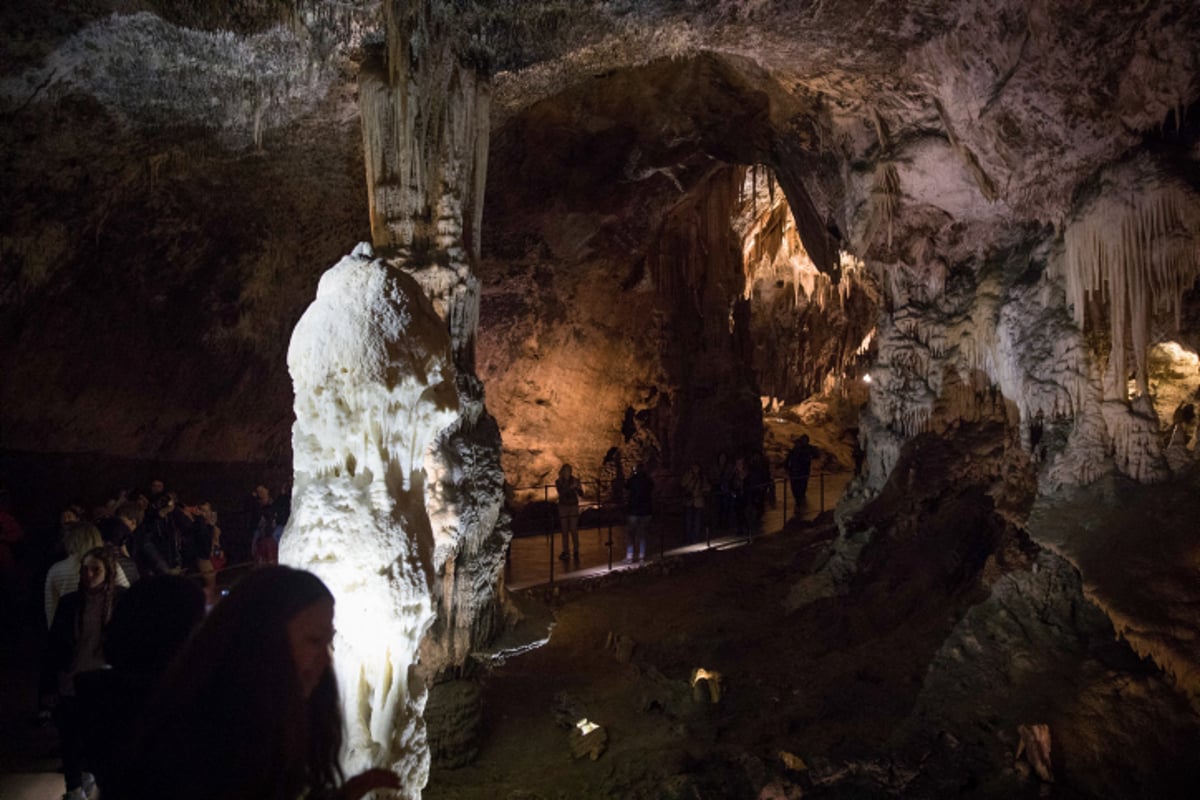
610 270
160 237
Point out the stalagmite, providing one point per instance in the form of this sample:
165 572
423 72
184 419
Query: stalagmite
398 488
370 362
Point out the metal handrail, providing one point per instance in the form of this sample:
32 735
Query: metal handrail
677 500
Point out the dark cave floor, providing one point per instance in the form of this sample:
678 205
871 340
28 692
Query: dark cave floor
907 676
908 680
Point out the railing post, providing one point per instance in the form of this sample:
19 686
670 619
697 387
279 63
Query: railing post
610 545
822 477
706 518
786 485
549 527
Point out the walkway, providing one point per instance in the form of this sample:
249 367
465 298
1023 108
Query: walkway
533 560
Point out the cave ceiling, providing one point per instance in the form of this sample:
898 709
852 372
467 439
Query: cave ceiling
178 173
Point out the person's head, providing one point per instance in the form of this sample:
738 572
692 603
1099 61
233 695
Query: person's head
803 439
157 487
80 537
67 516
153 620
565 471
97 570
163 504
257 677
207 512
263 495
97 579
287 616
130 513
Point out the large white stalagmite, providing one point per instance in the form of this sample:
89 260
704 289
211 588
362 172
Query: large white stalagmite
371 365
412 540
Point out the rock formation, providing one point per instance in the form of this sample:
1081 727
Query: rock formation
641 224
370 360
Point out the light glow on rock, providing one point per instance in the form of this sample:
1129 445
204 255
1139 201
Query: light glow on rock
371 366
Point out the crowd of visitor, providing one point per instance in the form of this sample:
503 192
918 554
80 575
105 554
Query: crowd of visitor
130 582
149 671
729 496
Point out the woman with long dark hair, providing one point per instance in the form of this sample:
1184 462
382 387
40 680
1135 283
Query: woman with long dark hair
249 709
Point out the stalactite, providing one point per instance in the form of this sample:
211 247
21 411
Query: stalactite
1135 245
887 192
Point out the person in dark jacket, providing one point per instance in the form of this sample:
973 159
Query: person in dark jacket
639 490
249 708
74 647
799 467
149 626
158 539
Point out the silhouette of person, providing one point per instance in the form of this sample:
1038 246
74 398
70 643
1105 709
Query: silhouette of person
569 491
640 489
249 708
799 467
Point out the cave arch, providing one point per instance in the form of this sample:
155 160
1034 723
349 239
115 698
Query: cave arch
646 236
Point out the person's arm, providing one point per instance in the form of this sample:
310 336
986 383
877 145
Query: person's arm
50 598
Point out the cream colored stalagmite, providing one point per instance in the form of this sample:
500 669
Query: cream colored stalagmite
370 362
398 489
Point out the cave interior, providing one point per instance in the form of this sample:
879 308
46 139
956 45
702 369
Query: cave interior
958 239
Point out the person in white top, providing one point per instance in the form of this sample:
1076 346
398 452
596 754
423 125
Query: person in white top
63 577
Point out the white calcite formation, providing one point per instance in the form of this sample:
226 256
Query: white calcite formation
1135 245
370 361
1012 325
425 141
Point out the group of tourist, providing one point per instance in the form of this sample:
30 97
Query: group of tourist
146 533
732 494
160 687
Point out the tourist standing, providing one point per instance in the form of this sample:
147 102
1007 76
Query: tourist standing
639 490
569 489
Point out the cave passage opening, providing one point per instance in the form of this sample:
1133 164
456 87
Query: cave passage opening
659 285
